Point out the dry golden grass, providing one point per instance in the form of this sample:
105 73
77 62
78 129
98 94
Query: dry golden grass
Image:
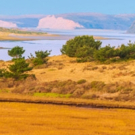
91 71
118 78
33 119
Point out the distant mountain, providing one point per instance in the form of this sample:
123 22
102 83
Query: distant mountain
132 28
85 20
102 21
26 21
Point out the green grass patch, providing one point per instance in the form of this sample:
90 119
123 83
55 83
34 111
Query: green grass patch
52 69
52 95
4 91
81 81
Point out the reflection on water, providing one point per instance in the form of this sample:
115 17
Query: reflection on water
116 38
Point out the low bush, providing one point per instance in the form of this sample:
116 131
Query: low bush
97 85
16 52
41 57
81 81
16 70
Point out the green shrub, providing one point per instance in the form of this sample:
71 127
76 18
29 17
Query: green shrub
2 72
37 61
42 54
5 73
110 54
81 81
17 70
105 53
97 85
85 59
81 47
41 57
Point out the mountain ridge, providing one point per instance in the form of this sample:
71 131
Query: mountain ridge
87 20
132 28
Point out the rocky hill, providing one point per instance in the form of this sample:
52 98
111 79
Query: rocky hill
102 21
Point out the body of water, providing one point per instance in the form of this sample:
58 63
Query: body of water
115 38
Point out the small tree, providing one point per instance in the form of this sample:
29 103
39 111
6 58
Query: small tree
18 69
41 57
42 54
16 52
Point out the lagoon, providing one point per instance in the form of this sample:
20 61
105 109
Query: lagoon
115 38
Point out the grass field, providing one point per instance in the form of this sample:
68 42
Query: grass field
63 67
37 119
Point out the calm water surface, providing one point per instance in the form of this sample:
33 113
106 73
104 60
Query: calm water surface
116 38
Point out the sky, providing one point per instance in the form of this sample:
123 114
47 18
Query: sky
50 7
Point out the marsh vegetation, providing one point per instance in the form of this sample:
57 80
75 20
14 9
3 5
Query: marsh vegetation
22 119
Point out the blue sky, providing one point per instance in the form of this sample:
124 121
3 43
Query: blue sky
23 7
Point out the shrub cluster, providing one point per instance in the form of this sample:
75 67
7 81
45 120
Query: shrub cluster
123 91
85 48
112 54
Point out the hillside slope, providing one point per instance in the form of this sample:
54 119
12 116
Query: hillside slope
131 29
63 76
